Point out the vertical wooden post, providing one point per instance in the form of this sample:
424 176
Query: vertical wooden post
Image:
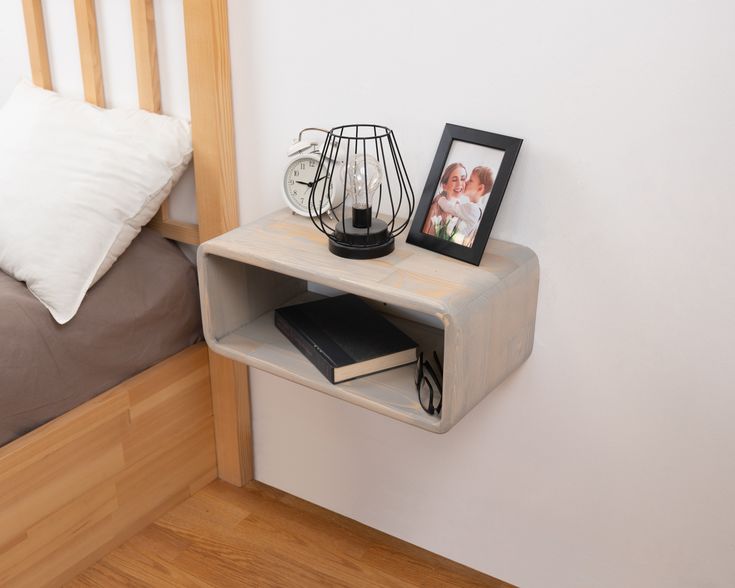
208 59
146 68
37 48
232 419
89 51
146 55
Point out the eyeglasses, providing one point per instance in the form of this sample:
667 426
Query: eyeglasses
428 385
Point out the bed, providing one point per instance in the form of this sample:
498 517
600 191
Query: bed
83 482
47 369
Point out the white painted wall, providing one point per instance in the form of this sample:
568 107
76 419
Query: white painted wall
608 459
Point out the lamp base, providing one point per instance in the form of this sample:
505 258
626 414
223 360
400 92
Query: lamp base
361 242
366 252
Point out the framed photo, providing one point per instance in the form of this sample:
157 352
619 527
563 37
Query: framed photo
463 192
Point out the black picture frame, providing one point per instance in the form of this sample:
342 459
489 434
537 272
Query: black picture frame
472 253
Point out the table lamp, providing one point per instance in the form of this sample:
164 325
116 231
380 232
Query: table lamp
364 171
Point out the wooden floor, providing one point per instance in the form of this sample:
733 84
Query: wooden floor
259 536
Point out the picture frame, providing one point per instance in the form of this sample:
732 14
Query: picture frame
457 209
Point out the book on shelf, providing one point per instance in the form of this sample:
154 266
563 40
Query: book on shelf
344 337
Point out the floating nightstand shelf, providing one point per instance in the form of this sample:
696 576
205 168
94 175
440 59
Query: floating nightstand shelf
480 320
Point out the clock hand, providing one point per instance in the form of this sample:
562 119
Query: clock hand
310 184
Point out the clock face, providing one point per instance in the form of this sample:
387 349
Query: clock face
298 181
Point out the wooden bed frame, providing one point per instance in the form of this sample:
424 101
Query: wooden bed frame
80 485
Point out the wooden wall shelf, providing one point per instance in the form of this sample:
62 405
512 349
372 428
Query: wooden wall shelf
480 320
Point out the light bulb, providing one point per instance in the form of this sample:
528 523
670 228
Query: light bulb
363 176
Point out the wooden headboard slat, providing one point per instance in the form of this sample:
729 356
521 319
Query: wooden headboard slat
37 48
149 98
146 55
89 51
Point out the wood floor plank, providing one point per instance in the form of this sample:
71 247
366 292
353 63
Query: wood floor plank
309 525
103 574
167 545
270 536
201 513
234 569
151 568
236 554
332 562
259 536
432 571
379 550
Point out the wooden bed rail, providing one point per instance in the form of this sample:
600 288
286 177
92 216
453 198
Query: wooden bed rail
75 488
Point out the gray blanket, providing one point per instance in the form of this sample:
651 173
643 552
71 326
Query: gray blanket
143 310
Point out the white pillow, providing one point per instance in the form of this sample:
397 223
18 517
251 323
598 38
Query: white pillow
77 182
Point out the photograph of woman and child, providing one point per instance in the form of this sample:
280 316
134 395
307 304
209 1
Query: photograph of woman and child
462 193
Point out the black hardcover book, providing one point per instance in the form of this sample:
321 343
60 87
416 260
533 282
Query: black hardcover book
345 338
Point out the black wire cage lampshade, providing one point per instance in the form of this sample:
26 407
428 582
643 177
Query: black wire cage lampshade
367 198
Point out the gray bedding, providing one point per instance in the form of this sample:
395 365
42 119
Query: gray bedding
143 310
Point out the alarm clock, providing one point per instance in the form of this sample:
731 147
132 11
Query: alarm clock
300 176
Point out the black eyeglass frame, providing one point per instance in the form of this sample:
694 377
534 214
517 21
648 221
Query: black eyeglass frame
419 377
